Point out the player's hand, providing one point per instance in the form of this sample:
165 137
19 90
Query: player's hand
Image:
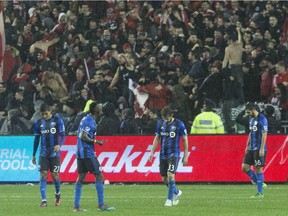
34 160
99 142
185 160
57 148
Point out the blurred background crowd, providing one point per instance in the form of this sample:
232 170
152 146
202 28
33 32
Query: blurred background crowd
135 57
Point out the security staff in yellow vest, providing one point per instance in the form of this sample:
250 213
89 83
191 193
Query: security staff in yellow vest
207 122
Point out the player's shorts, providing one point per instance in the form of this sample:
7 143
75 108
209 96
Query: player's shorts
90 165
168 165
49 163
253 159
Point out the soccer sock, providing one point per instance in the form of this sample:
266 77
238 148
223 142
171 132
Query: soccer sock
100 192
176 191
77 195
260 179
171 188
57 186
252 176
43 188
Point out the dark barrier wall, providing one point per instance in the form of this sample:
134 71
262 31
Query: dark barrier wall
125 159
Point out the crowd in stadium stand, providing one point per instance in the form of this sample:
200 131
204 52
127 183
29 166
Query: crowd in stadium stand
135 57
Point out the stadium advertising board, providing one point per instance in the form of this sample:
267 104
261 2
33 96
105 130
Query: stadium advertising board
15 159
125 159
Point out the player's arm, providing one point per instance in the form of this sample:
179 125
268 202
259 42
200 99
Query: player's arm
185 144
60 142
264 122
62 135
248 142
86 138
35 147
263 141
154 146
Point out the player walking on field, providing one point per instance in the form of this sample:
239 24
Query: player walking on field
50 131
255 152
86 159
168 132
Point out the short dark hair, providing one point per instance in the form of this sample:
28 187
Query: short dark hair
44 107
252 106
166 111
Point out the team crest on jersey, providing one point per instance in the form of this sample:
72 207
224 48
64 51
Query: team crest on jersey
173 128
53 124
53 130
256 122
172 134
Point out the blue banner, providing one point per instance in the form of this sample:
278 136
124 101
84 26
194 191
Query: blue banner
16 159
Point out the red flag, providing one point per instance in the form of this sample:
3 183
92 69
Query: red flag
2 40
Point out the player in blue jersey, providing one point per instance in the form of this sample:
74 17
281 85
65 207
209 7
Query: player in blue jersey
50 131
86 158
255 152
169 131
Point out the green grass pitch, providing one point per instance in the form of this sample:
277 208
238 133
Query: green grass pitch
148 200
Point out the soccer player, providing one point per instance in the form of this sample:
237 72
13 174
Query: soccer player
50 131
86 159
168 131
255 152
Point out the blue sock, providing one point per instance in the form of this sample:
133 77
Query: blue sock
260 179
176 191
77 195
252 176
171 188
100 192
57 186
43 188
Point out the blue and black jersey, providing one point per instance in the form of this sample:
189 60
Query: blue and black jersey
50 132
257 125
170 134
87 125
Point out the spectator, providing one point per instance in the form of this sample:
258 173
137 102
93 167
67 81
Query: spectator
207 122
280 99
251 83
196 73
158 93
109 123
129 124
55 82
124 72
274 125
211 88
148 121
281 76
233 60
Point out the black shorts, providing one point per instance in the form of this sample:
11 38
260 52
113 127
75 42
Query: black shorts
253 159
49 163
90 165
168 165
